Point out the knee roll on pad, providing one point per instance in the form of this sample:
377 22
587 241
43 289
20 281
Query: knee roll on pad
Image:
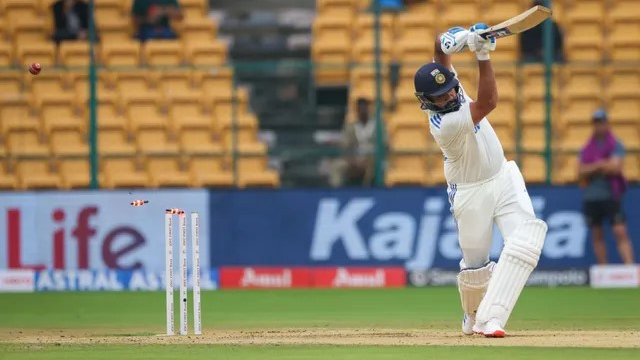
518 259
472 284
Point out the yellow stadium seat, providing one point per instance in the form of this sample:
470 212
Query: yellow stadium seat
15 115
114 141
166 171
110 115
622 10
25 142
504 115
27 30
79 83
6 55
364 51
188 112
329 8
575 137
74 53
332 27
506 80
532 78
155 141
457 13
364 27
623 109
363 83
209 171
412 51
253 171
123 172
75 173
59 111
205 52
120 53
163 53
629 136
14 9
198 29
215 83
584 41
468 77
532 138
565 168
406 169
580 81
331 59
591 10
496 11
108 9
412 25
142 110
363 5
623 43
136 82
195 8
244 140
49 83
10 83
507 136
68 142
534 168
631 167
42 53
8 180
195 140
507 52
409 136
621 78
226 113
177 83
578 110
4 30
331 49
115 30
36 173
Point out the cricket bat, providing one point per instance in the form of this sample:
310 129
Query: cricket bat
518 24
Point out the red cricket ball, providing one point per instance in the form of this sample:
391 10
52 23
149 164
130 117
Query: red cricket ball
35 68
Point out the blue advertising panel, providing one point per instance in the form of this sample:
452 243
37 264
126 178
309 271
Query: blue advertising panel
409 227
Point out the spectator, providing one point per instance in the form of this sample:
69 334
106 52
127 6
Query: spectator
532 41
600 173
152 18
71 19
359 143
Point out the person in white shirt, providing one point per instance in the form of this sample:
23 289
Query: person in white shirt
483 187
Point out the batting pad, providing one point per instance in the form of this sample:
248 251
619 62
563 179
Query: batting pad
472 284
518 259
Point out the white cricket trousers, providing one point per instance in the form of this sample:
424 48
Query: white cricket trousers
502 199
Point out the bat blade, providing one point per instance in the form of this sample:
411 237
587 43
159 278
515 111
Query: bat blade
518 24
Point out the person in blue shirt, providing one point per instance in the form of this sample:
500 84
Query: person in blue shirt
600 173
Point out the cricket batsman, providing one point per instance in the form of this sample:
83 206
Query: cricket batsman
483 187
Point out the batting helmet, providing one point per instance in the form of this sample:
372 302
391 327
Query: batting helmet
433 80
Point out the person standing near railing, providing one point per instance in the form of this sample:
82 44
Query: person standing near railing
601 175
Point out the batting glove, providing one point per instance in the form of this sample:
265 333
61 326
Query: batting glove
478 44
454 40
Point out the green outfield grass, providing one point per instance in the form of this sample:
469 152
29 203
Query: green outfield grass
142 313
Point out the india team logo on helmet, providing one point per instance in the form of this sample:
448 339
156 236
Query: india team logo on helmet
433 80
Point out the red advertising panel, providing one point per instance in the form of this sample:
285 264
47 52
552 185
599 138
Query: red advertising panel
264 277
354 277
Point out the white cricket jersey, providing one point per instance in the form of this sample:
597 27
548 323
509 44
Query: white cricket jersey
471 153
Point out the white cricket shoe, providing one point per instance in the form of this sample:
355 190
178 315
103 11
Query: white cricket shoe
467 324
491 328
